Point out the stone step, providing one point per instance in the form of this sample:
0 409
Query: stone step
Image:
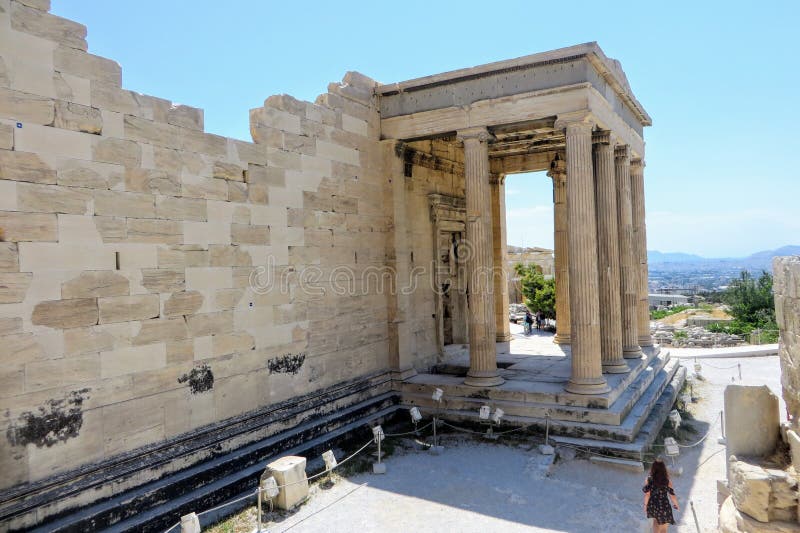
157 505
517 371
421 397
626 432
648 430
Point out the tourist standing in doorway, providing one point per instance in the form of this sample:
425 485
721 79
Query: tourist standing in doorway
528 322
657 493
539 317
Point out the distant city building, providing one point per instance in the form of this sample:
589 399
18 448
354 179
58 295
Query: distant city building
667 300
542 257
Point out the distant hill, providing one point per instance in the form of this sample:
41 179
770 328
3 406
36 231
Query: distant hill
654 256
679 261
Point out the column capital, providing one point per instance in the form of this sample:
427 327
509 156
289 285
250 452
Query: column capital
637 163
497 179
479 133
579 119
601 137
622 151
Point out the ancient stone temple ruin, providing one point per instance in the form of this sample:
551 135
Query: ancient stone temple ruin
177 307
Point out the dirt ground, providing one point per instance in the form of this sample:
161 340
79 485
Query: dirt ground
478 485
680 318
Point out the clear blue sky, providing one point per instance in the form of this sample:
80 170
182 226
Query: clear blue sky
720 80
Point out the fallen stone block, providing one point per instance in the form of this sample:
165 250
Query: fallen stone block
290 474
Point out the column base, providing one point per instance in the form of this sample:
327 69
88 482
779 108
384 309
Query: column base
503 337
631 352
403 374
616 367
561 339
646 341
589 386
483 379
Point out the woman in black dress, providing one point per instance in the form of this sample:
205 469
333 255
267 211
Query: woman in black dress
657 493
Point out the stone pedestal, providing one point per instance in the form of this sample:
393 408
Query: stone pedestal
608 256
640 250
500 279
558 171
587 374
481 316
291 472
629 268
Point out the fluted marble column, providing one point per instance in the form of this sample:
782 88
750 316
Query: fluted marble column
587 373
480 316
608 255
629 266
502 324
640 249
558 171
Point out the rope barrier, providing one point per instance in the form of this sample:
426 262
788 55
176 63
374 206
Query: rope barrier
721 367
237 500
704 437
414 432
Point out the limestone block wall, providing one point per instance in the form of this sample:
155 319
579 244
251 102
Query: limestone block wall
155 278
787 310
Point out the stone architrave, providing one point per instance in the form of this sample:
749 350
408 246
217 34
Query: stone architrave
558 171
640 250
608 255
587 372
629 268
500 280
481 318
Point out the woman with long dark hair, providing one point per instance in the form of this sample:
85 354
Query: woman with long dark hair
657 493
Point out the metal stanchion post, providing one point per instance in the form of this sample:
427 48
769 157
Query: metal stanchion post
694 514
722 440
258 497
740 371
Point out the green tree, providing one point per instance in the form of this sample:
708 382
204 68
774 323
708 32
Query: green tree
752 306
539 293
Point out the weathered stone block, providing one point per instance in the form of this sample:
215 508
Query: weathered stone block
237 191
132 360
63 314
227 298
163 280
85 65
249 234
750 489
208 188
152 181
128 308
77 117
25 166
76 173
181 208
155 231
120 151
221 255
124 204
752 420
208 278
52 199
183 303
93 339
47 26
151 132
10 325
289 472
203 324
19 227
111 229
9 258
232 343
14 286
95 284
6 137
185 117
160 330
25 107
228 171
